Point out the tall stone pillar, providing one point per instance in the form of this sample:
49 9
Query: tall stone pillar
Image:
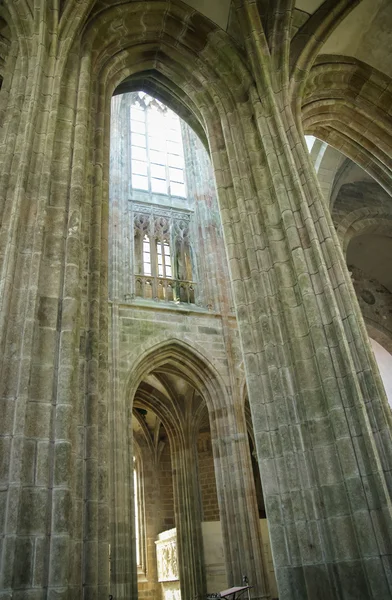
123 569
319 411
53 340
188 519
237 500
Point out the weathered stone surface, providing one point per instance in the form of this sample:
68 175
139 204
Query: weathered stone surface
71 366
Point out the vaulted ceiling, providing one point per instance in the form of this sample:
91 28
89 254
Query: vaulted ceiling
216 10
366 33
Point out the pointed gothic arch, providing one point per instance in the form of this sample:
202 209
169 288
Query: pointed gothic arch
345 103
188 361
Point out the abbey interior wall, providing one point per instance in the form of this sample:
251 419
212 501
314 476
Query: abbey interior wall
322 428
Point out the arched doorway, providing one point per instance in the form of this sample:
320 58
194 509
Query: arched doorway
174 386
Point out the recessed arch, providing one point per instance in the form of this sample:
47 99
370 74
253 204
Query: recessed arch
157 85
346 104
364 221
188 361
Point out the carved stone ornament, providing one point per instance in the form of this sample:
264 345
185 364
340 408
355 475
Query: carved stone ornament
166 547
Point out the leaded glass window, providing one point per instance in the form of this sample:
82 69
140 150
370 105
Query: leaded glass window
157 157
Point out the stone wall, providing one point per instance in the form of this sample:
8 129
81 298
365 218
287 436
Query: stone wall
214 558
376 306
144 326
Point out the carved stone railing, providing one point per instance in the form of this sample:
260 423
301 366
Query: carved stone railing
164 288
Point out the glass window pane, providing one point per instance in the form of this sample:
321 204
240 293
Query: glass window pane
157 117
139 168
157 143
159 186
147 269
174 148
177 189
158 157
138 140
138 153
138 127
174 135
137 114
158 171
139 182
173 121
168 272
176 175
175 161
160 270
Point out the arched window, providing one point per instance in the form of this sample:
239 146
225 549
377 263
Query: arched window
146 255
157 157
161 211
164 259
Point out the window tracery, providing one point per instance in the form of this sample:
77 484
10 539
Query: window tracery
162 254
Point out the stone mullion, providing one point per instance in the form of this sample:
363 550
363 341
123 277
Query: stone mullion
188 520
237 504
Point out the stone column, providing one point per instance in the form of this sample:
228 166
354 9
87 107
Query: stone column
53 332
237 500
319 411
123 576
188 519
